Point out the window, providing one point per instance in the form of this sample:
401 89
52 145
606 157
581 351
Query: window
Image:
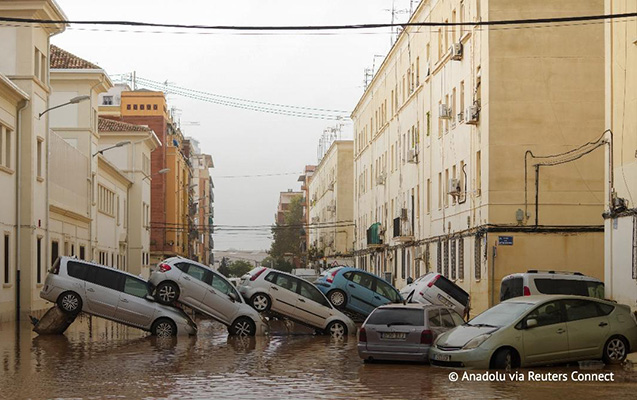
433 317
107 100
154 106
478 174
363 279
461 258
428 199
128 106
287 282
196 272
581 309
383 289
36 63
6 258
446 194
134 106
148 106
478 257
439 190
136 287
402 264
446 259
547 314
461 109
570 286
454 266
77 270
221 285
6 136
447 321
397 316
417 71
82 253
104 277
439 259
105 200
452 290
55 251
310 292
141 106
39 260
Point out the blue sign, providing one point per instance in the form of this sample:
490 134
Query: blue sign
505 240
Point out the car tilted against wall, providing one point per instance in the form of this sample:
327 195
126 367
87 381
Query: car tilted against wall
356 290
203 289
268 290
81 286
434 288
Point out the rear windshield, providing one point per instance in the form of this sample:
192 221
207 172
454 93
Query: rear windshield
397 316
453 290
510 288
569 286
330 271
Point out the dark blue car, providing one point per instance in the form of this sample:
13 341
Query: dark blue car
356 290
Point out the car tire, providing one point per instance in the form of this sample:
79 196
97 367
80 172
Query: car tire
261 302
242 326
615 350
70 303
167 293
336 329
503 359
164 327
338 298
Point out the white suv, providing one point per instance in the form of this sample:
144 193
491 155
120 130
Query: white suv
550 282
201 288
434 288
266 289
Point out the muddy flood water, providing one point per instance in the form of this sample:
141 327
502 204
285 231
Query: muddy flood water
100 359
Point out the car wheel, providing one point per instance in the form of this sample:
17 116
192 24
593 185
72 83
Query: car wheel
615 350
164 328
336 329
338 298
503 359
70 303
261 302
166 293
242 326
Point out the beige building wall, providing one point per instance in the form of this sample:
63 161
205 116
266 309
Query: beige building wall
204 199
331 204
620 226
445 189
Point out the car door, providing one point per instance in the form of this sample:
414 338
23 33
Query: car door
360 293
102 290
588 328
384 293
133 307
312 304
546 342
284 296
193 287
218 298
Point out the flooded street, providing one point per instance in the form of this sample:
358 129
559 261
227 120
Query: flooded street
99 359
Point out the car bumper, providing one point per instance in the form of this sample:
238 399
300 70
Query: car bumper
50 291
421 355
475 358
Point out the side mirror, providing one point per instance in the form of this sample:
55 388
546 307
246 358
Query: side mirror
149 297
233 296
530 323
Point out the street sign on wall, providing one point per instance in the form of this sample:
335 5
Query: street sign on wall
505 240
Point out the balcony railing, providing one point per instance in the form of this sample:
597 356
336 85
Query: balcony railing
402 230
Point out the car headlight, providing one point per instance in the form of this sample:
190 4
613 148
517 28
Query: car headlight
476 341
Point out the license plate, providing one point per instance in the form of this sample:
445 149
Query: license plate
393 335
442 357
445 301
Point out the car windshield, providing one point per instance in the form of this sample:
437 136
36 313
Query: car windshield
501 315
397 316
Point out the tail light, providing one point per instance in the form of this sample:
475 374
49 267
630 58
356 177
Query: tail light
430 284
362 335
426 337
330 277
164 267
256 275
527 291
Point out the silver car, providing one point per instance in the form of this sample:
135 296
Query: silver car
266 289
538 330
203 289
77 285
404 332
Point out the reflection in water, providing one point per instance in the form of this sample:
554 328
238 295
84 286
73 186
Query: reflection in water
96 358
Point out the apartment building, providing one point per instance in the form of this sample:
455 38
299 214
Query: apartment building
285 198
304 178
24 77
331 186
452 146
620 225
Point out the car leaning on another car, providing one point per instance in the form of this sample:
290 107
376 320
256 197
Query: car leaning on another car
404 332
539 330
266 289
434 288
199 287
77 285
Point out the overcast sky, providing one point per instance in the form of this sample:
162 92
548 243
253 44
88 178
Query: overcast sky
324 71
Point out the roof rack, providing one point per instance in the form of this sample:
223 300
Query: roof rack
536 271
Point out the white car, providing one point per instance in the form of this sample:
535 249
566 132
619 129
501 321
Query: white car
550 282
266 289
201 288
434 288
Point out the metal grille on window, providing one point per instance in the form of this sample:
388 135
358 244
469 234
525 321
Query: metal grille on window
446 258
478 257
427 263
635 247
461 258
439 260
453 259
402 263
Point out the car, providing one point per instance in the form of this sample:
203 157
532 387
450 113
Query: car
235 281
550 282
356 290
77 285
404 332
434 288
309 274
205 290
539 330
294 298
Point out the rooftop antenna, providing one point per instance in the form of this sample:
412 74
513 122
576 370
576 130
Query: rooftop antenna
394 12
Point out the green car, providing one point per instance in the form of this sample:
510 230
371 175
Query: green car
539 330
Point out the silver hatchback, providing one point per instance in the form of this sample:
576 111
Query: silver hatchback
404 332
77 285
203 289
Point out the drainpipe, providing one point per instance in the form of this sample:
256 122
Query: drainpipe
17 206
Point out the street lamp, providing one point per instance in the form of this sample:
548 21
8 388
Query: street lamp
120 144
189 187
160 172
74 100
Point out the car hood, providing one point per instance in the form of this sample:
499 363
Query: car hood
461 335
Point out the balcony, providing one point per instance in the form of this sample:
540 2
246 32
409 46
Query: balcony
402 230
374 235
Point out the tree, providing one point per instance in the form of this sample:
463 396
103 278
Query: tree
289 235
223 267
277 263
239 268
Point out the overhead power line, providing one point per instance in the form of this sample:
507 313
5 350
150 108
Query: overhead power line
322 27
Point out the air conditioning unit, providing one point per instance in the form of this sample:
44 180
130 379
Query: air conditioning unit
418 253
381 178
331 208
453 187
412 156
314 198
444 111
472 115
404 213
456 51
460 117
330 186
315 220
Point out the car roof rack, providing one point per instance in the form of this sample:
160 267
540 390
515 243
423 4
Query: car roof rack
536 271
